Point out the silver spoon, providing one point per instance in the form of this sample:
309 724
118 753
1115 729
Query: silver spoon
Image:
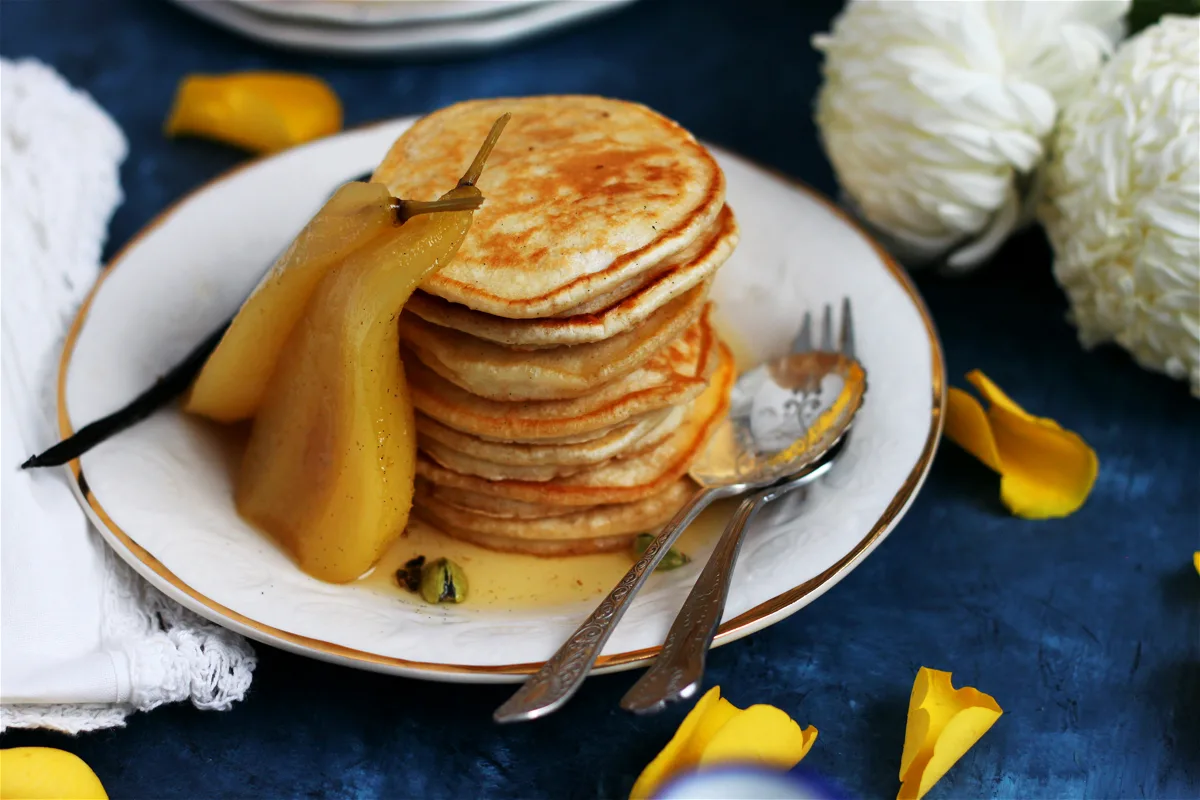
784 417
678 670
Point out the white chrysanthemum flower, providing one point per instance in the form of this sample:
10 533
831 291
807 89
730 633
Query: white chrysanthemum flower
935 114
1122 203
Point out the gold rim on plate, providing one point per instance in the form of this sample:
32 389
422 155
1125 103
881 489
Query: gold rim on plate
731 630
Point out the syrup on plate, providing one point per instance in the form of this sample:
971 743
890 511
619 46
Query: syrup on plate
516 582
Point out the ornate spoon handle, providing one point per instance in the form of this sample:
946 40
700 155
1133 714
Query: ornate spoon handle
679 668
560 677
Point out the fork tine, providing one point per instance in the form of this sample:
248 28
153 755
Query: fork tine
803 341
827 329
846 335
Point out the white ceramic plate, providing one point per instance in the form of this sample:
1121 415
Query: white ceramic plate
382 12
457 36
160 493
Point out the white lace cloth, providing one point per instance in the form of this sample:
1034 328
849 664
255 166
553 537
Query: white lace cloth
84 641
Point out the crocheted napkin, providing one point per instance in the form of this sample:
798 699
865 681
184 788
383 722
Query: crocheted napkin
85 640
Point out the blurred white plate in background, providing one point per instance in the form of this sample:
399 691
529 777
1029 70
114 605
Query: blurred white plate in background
453 36
383 12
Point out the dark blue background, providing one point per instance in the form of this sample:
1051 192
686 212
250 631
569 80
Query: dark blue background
1085 630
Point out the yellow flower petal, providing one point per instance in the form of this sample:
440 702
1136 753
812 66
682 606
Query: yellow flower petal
759 735
994 395
685 746
260 111
967 426
30 773
943 724
717 732
1048 472
1196 560
712 720
1045 471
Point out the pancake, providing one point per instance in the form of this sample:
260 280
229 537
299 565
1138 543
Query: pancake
621 480
548 468
488 506
594 451
493 371
583 194
545 548
611 313
675 375
470 465
603 525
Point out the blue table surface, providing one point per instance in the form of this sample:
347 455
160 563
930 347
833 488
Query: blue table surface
1086 630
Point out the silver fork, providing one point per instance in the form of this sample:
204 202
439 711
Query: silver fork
678 670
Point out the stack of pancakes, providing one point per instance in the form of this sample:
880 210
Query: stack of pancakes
564 367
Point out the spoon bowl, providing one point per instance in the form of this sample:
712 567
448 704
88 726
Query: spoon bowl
784 417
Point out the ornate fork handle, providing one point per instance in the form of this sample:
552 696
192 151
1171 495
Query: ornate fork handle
561 676
679 668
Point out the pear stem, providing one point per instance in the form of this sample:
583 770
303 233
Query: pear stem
407 209
476 168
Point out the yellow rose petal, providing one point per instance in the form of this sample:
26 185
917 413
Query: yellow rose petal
711 720
260 111
717 732
943 724
680 750
1048 472
967 425
1045 471
32 773
993 393
759 735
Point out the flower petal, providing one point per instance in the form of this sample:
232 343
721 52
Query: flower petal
761 734
260 111
717 732
713 719
1196 560
30 772
683 751
1045 471
967 426
993 393
943 724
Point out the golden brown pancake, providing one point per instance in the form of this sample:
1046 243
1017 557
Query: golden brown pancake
494 371
488 506
545 548
604 527
633 437
592 451
583 194
452 459
628 305
676 375
621 480
549 466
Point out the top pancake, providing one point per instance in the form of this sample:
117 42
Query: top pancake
581 194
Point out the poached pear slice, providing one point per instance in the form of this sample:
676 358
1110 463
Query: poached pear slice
329 468
231 384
